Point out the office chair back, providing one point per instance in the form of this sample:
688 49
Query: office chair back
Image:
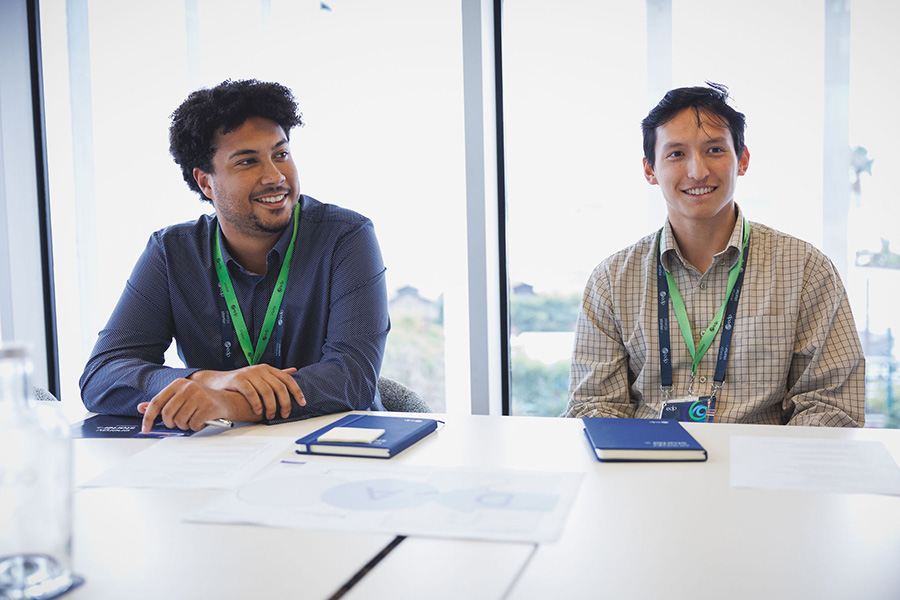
397 397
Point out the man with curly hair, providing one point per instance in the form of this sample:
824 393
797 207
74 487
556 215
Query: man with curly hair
277 302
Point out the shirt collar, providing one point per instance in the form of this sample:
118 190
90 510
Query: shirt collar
670 251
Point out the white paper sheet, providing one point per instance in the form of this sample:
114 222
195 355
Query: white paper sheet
849 466
455 503
194 462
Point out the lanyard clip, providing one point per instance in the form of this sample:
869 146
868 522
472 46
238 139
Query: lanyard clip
711 408
666 390
713 400
691 385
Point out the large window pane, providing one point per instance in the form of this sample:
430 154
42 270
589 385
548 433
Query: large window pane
874 239
575 89
380 87
576 81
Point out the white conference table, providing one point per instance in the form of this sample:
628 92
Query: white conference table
133 543
644 530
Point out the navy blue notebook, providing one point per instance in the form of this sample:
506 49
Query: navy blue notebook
398 433
114 426
641 440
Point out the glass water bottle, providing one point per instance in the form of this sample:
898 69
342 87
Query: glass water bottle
35 487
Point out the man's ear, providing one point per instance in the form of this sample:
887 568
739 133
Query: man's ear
204 180
649 175
744 161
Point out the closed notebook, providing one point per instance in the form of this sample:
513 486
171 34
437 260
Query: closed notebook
641 440
115 426
397 434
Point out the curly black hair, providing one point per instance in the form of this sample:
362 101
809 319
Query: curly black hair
224 107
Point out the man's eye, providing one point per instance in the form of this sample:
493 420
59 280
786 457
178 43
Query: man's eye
716 150
676 154
282 155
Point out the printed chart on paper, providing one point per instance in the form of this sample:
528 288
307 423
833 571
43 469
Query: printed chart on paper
498 505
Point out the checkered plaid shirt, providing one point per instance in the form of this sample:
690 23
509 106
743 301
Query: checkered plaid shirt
795 356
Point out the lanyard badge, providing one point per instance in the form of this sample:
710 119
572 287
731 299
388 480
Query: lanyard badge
693 408
702 409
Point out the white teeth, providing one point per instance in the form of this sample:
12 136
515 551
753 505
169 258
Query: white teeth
271 199
699 191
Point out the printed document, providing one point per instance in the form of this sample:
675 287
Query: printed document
818 465
499 505
219 462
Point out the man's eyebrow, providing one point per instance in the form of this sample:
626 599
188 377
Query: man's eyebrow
242 153
669 145
249 151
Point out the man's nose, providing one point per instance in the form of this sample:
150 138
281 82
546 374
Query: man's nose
697 169
271 175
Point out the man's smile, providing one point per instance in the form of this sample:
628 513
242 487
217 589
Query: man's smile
699 191
272 199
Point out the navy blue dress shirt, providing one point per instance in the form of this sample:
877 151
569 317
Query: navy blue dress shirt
335 315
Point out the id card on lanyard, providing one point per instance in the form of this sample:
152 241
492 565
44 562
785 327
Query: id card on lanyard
693 408
232 319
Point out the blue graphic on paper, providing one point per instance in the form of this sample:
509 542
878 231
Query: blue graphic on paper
484 498
379 494
390 494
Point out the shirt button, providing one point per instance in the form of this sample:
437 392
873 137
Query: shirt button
703 379
703 286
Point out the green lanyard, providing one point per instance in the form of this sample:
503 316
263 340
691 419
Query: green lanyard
681 314
240 327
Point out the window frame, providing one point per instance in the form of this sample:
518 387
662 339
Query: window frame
27 308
